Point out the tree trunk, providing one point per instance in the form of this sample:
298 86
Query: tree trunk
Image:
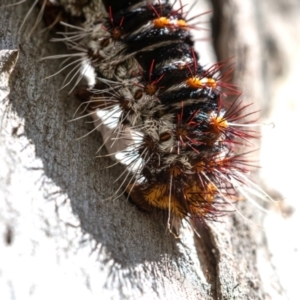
63 237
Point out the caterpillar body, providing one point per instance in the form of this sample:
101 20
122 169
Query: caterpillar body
161 113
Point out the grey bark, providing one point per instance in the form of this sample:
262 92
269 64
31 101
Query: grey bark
62 237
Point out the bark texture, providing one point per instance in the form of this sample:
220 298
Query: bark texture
62 237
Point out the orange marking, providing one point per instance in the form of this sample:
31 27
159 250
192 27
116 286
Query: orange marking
218 124
181 23
197 83
161 22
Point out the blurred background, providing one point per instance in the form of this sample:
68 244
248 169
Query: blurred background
263 37
270 36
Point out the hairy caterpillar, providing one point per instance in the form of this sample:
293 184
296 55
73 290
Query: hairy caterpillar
180 140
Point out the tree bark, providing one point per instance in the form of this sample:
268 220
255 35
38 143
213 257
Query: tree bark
63 237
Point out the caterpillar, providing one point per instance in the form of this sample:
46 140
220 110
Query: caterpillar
166 116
